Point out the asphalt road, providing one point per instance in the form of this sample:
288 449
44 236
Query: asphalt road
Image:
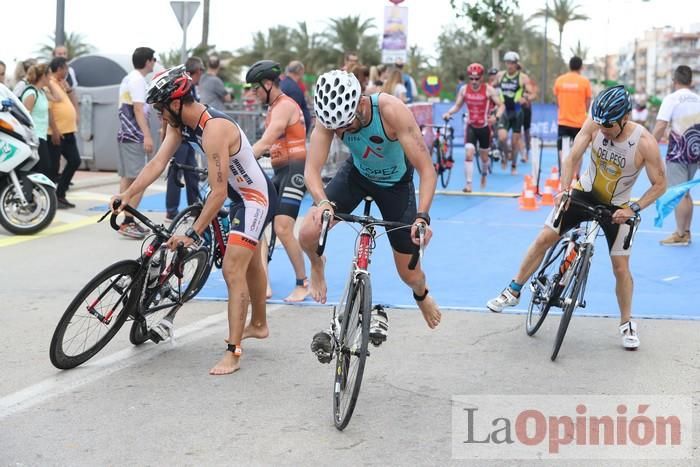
156 404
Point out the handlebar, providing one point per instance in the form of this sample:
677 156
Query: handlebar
365 221
174 165
159 230
600 213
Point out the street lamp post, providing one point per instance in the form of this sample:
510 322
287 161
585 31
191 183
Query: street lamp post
544 60
60 16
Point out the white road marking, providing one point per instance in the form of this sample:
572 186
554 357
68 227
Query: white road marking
670 278
92 371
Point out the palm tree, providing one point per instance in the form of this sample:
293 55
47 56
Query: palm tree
562 12
351 33
275 45
74 43
308 48
579 51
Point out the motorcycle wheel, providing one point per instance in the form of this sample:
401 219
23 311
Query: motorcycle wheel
30 219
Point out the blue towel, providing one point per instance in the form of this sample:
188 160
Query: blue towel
667 202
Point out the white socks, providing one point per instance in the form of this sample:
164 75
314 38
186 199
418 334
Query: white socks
468 170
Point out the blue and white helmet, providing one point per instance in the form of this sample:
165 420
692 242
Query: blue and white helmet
611 105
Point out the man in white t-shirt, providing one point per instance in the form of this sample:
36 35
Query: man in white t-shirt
681 109
134 135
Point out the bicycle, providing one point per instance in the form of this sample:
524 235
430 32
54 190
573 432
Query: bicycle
441 150
561 279
350 332
144 290
215 236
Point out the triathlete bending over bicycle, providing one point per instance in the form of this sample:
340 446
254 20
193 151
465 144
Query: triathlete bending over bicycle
619 151
385 143
478 96
233 170
516 91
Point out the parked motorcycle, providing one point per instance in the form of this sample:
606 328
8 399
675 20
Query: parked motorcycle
27 199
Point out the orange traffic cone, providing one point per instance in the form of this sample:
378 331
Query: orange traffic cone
547 196
553 180
529 202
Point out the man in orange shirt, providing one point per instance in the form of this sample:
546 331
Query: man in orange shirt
573 93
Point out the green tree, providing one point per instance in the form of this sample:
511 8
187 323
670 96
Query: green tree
351 33
488 17
74 43
275 45
309 49
562 12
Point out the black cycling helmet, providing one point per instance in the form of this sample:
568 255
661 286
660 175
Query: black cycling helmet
167 86
264 69
610 106
493 71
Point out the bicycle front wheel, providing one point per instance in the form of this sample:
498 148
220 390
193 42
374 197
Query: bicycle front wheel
181 223
545 288
168 296
94 316
571 297
351 352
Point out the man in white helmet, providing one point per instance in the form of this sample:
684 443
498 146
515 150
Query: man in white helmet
516 91
385 144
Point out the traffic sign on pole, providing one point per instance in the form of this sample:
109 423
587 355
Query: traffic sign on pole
184 12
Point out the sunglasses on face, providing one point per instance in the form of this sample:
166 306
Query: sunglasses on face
474 79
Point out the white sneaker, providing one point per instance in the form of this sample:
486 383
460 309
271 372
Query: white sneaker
164 330
630 338
505 299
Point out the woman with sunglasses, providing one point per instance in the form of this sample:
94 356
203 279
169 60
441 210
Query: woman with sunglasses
478 96
620 149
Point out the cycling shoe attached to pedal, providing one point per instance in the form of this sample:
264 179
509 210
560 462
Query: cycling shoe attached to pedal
322 346
378 326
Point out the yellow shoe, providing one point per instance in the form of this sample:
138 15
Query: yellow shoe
676 239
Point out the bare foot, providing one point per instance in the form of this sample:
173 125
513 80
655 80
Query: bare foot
513 171
268 293
255 331
228 364
431 312
468 188
483 182
299 293
318 288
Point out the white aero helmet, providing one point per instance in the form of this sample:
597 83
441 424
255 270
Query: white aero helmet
511 57
336 97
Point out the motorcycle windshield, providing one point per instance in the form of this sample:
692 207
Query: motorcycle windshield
17 109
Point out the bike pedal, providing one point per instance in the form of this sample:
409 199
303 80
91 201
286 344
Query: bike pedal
154 337
377 342
582 304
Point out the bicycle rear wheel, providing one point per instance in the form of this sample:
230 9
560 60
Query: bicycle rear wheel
181 223
351 352
95 315
545 288
167 298
571 299
445 174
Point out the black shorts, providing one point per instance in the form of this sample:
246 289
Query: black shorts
527 117
289 183
511 120
482 136
563 131
615 234
397 203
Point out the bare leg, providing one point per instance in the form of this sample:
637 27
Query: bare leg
484 155
503 145
308 239
255 278
684 214
264 250
535 253
416 281
235 268
516 143
623 286
284 229
469 167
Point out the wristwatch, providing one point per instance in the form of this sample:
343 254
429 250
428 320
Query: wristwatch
635 207
423 215
193 235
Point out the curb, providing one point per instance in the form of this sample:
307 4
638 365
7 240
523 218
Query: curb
96 181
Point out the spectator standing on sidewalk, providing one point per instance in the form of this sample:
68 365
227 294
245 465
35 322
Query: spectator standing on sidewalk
681 110
71 82
134 135
184 154
212 91
289 86
62 128
20 73
35 100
